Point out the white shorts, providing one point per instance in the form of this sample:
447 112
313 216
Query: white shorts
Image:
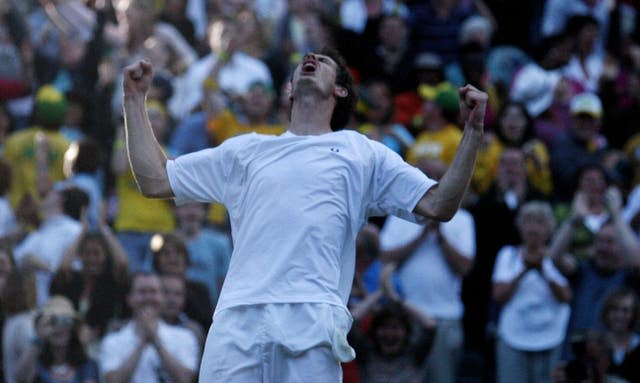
277 343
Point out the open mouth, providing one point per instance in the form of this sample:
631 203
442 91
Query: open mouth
309 66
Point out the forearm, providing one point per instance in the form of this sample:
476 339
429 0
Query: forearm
26 365
503 291
418 315
115 247
559 245
148 161
442 201
125 372
174 368
366 305
401 254
561 293
460 264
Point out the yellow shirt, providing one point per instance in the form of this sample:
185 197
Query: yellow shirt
438 145
226 125
138 213
19 151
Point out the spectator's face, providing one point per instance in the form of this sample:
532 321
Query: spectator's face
585 127
391 337
593 184
587 38
513 123
191 214
381 99
535 231
93 257
146 292
620 315
392 32
62 328
170 261
174 296
512 169
607 249
257 102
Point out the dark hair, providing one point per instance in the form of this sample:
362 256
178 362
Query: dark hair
5 177
170 239
75 356
614 297
589 165
344 105
73 200
134 276
90 156
528 130
575 24
19 293
390 313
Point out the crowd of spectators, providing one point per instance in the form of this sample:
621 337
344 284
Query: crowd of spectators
535 279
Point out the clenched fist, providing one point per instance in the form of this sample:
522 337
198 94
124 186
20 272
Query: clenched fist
473 105
137 78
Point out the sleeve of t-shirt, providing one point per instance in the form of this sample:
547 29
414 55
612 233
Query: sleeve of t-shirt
460 233
203 176
397 186
186 351
504 270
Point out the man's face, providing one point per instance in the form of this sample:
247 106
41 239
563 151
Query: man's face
174 296
315 74
585 127
146 293
607 249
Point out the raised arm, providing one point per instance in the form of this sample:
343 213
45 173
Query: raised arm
148 161
442 200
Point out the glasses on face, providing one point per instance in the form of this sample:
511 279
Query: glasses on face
61 321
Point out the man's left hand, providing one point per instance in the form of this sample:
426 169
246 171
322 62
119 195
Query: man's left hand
473 105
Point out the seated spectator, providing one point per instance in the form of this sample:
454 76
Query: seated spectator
534 296
148 350
175 296
620 315
96 288
237 70
438 132
579 145
56 353
209 250
44 248
613 262
7 217
513 129
18 300
21 147
171 257
138 217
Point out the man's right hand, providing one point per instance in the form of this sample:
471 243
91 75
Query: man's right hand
137 78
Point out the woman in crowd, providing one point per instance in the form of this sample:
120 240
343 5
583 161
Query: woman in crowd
534 298
56 354
96 288
620 315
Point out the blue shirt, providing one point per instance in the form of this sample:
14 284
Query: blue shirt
209 255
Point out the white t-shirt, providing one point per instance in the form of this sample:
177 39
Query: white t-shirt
117 348
48 244
296 204
426 278
532 320
7 218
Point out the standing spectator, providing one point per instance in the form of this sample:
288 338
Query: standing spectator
21 151
175 295
43 249
586 65
620 315
615 257
18 308
96 289
209 250
534 296
148 350
171 257
237 70
7 265
56 353
434 258
579 145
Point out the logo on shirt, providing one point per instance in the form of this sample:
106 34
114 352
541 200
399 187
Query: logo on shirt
335 150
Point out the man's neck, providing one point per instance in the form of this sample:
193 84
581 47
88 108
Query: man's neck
311 116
